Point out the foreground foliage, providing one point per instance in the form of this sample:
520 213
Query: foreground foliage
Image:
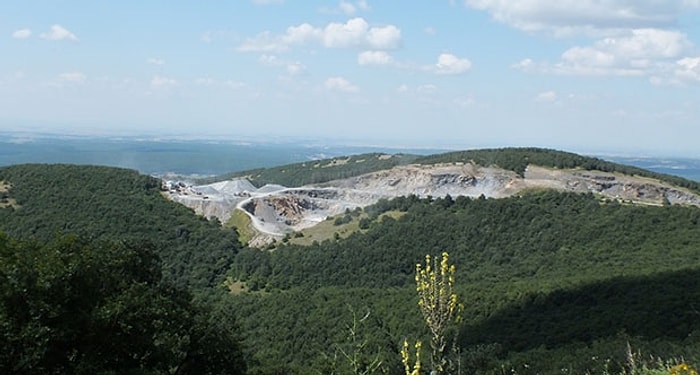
70 306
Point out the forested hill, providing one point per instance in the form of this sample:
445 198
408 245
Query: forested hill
514 159
550 280
318 171
105 203
517 160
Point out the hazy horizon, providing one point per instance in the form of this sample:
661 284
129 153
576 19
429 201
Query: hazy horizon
192 156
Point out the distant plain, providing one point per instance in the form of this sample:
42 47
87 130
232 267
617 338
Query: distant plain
200 158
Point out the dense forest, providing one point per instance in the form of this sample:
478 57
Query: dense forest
117 204
551 282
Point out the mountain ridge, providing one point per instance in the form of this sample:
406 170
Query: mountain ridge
277 210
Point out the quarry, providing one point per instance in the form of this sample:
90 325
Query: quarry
277 210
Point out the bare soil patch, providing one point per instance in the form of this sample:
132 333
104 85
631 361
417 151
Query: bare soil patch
5 199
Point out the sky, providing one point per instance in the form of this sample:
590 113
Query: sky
580 75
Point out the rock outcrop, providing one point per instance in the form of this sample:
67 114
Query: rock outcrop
276 210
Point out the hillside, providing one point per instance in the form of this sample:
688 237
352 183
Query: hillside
559 267
276 210
112 203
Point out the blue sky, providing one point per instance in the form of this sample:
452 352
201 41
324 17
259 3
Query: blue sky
582 75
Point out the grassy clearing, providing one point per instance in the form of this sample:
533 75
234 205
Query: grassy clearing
235 287
241 221
326 230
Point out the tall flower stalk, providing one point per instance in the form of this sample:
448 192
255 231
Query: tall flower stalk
439 306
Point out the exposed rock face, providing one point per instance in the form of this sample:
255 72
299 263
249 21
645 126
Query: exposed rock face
276 210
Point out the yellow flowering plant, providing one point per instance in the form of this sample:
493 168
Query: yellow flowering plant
439 305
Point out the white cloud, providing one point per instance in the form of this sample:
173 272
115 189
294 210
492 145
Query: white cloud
210 82
430 30
681 73
364 5
450 64
340 84
355 33
566 17
292 67
295 68
347 8
155 61
22 34
374 58
688 68
159 82
58 32
547 96
635 53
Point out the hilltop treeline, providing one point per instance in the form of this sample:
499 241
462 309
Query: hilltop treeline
319 171
517 160
513 159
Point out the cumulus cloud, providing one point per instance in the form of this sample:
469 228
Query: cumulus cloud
341 84
58 32
159 82
450 64
688 68
374 58
637 52
355 33
22 34
565 17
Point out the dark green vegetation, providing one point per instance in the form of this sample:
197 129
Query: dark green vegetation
73 307
117 204
313 172
550 281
